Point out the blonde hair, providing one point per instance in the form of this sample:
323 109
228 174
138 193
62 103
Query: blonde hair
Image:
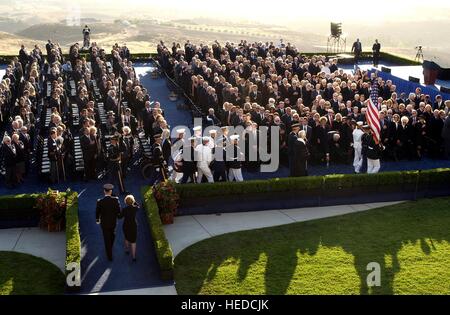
129 200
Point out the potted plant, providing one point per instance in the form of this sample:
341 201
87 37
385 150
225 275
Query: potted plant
52 206
167 199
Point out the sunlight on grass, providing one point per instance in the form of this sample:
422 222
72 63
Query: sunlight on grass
22 274
410 242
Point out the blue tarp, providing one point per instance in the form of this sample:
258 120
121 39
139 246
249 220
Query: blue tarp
408 86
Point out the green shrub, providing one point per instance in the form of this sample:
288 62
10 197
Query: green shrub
440 176
249 187
164 253
300 184
73 242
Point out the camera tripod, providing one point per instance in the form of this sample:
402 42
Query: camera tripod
419 53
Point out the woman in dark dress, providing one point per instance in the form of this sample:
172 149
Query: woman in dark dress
129 225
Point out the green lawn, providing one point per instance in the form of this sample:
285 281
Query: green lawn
25 275
410 241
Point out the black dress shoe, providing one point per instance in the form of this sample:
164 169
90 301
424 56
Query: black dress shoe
134 260
127 252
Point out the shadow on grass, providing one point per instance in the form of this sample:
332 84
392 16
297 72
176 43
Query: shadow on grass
373 236
23 274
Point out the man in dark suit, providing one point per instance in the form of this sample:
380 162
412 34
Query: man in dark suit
106 214
9 155
376 52
357 49
292 138
446 137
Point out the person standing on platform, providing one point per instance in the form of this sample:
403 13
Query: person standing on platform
357 50
357 146
107 212
376 53
86 37
130 225
115 164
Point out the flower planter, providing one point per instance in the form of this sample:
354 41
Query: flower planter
166 218
54 227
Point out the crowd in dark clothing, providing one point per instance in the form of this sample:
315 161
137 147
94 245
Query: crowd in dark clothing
34 83
264 84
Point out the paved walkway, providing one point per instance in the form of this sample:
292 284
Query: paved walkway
188 230
36 242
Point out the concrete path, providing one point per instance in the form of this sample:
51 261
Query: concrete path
36 242
188 230
161 290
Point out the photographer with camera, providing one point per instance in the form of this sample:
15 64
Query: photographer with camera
86 37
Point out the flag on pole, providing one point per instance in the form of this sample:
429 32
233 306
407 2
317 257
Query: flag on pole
373 115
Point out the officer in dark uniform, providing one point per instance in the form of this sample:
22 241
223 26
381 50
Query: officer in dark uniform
366 139
107 212
190 165
55 156
159 171
115 163
291 144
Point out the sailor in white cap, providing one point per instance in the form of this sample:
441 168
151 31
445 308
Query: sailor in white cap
234 157
213 141
188 163
197 131
180 135
177 154
204 158
357 146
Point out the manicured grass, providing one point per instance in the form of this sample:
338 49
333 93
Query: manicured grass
22 274
410 241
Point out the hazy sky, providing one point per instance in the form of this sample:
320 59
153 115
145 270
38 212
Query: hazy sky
337 10
290 10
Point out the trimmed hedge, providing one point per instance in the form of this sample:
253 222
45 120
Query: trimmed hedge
14 206
73 242
25 203
327 182
163 250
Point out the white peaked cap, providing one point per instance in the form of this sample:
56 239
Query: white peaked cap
212 131
234 137
180 131
197 128
360 123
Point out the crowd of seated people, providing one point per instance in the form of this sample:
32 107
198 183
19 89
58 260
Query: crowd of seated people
34 83
262 84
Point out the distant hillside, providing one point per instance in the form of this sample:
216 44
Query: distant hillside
9 25
66 35
10 43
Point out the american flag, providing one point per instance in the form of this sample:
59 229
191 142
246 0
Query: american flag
373 116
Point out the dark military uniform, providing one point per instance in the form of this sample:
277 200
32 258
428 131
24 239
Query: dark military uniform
159 171
292 138
126 148
115 166
107 211
366 139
